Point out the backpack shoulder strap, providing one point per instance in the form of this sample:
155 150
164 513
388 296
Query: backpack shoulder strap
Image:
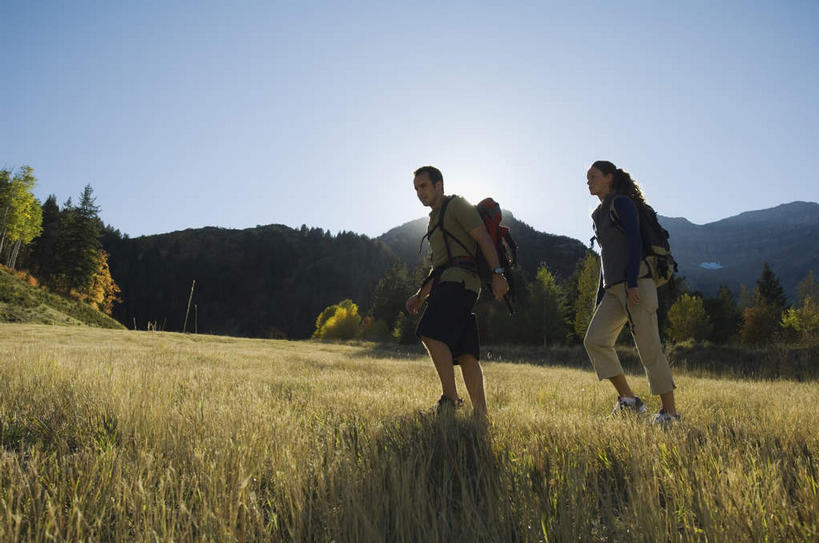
615 218
440 223
447 234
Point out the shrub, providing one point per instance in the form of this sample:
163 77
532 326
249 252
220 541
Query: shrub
339 321
761 324
688 320
375 330
804 320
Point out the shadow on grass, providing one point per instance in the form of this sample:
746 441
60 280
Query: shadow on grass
420 477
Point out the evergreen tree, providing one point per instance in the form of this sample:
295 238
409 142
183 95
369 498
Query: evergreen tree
724 315
549 308
763 319
44 256
391 294
769 291
78 243
745 299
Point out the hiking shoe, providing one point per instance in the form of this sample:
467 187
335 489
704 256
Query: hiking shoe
628 405
664 419
447 404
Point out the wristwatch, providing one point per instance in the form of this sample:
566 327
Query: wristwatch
498 271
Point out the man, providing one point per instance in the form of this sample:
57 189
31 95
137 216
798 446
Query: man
448 328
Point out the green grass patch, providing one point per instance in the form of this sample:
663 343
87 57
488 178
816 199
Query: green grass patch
23 303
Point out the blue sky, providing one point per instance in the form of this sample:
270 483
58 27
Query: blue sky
235 114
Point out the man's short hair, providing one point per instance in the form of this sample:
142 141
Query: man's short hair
432 172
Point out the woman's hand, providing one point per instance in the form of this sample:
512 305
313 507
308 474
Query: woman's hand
633 295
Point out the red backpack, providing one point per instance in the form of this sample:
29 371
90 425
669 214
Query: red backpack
507 249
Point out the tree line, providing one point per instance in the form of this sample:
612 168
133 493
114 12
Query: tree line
59 246
550 310
275 281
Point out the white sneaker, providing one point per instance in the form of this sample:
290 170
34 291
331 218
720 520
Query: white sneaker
664 419
628 405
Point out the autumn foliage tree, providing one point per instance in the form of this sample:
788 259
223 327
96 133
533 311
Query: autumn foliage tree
587 283
103 291
20 213
804 318
338 321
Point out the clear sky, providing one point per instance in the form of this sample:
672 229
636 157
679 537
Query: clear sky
235 114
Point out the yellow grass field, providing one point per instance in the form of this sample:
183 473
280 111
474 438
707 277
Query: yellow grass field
109 435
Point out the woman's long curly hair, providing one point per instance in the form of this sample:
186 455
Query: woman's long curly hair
622 183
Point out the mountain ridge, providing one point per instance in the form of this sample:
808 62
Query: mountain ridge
733 250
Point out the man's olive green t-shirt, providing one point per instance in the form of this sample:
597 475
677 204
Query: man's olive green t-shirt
460 217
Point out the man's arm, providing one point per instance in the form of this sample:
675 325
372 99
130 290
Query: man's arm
499 285
415 301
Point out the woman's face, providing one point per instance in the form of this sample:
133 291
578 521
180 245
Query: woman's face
598 182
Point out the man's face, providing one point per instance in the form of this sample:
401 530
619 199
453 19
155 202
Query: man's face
428 193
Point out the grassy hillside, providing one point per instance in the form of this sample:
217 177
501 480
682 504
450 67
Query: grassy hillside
23 303
138 436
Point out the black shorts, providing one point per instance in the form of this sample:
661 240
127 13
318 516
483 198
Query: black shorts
448 317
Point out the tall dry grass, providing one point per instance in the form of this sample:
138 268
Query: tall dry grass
128 436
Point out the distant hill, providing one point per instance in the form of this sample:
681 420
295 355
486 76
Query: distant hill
559 253
732 251
23 303
273 281
268 281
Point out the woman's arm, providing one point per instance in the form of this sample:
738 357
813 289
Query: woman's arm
630 221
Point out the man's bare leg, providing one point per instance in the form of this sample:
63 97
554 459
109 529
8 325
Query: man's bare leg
473 378
442 358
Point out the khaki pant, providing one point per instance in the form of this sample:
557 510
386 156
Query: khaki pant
608 320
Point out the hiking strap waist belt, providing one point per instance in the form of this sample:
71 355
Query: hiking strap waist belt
465 263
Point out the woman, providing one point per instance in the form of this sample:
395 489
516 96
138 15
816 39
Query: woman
627 293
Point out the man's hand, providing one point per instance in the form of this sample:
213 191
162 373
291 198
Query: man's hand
414 303
633 295
499 286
